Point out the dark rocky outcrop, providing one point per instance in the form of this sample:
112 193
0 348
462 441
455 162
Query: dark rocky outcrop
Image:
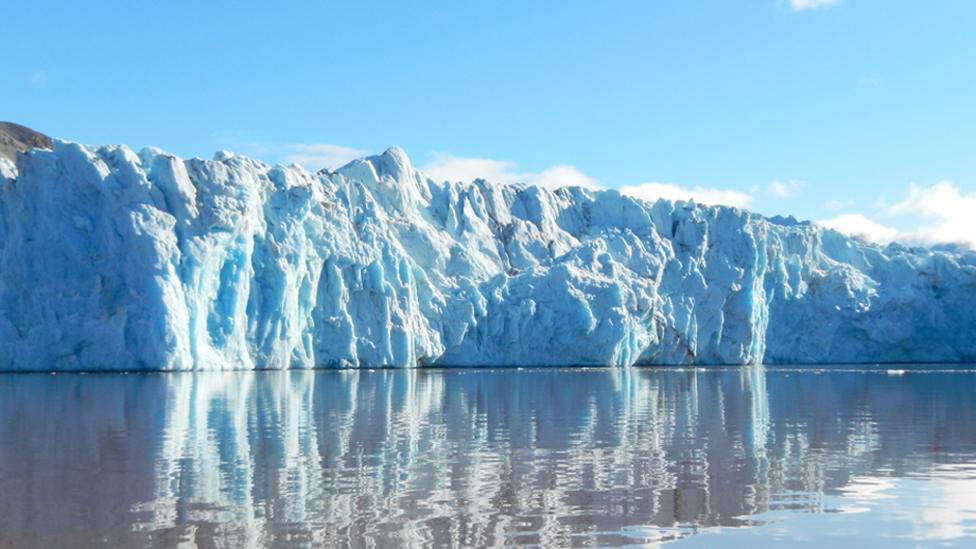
15 138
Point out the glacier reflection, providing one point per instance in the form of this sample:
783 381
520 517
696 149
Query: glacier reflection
475 457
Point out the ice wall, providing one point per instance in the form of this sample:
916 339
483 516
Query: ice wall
115 260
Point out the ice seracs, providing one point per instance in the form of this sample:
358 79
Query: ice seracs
115 260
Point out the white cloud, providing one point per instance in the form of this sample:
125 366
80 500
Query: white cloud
445 167
935 214
859 226
315 156
785 189
705 195
562 175
836 204
951 213
804 5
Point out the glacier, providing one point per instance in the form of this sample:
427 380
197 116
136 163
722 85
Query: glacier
117 260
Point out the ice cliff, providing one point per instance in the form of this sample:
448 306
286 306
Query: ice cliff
115 260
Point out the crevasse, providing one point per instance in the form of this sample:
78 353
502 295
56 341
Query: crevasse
115 260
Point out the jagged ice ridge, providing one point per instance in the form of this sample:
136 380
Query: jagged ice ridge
115 260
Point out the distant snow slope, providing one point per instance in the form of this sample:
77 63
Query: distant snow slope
116 260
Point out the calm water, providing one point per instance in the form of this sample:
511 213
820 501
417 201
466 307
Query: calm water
479 457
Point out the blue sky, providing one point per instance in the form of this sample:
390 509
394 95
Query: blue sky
818 108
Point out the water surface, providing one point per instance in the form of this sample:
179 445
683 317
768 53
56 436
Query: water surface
737 457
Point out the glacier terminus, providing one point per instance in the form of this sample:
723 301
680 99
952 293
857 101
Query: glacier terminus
116 260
